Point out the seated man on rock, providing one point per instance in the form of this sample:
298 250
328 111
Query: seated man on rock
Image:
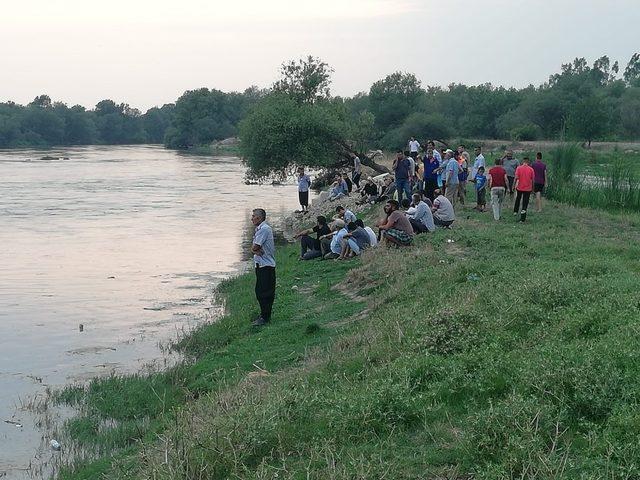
331 244
344 214
443 213
396 229
421 218
309 246
373 239
339 189
388 191
355 241
369 192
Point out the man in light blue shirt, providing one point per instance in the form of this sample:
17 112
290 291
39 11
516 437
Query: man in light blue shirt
340 189
450 176
263 249
345 215
478 162
336 242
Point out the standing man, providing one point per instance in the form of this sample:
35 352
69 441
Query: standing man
540 180
263 249
430 172
510 164
498 186
431 144
450 177
523 186
304 183
463 172
357 170
402 168
414 146
478 162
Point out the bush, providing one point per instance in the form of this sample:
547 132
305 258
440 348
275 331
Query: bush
423 126
526 132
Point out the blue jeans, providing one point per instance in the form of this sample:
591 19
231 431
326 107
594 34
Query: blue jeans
403 185
354 246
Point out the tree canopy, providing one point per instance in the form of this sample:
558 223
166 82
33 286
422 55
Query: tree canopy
582 101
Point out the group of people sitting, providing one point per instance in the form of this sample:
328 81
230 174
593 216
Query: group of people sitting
347 236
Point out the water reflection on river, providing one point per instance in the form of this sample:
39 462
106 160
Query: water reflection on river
129 242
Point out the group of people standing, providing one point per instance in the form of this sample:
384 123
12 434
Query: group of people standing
450 172
422 195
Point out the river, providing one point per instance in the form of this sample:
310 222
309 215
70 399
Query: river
128 242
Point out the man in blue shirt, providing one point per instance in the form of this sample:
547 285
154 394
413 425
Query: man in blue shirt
450 177
401 168
263 249
304 182
431 166
340 189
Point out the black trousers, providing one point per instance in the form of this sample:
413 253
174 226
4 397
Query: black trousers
308 243
418 227
525 203
265 290
303 198
430 186
355 178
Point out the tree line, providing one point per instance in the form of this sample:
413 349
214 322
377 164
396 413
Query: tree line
582 102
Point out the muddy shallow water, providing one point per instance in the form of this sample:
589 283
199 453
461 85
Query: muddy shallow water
127 241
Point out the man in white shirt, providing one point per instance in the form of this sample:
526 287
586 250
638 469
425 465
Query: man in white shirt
263 249
443 213
357 170
478 162
414 147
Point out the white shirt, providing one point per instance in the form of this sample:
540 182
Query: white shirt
335 241
372 236
414 145
357 168
477 163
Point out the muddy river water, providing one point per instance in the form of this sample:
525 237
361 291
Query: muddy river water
128 242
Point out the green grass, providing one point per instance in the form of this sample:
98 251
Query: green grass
118 412
531 372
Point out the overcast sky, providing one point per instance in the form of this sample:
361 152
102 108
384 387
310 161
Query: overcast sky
148 52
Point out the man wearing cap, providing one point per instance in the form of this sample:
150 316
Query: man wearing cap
263 249
450 176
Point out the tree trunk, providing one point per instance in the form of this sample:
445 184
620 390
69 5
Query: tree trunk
347 151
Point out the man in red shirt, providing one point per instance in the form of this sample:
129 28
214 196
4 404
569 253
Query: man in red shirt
498 187
523 186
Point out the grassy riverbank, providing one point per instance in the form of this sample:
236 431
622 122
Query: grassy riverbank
508 353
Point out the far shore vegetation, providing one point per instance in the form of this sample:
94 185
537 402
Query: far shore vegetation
582 102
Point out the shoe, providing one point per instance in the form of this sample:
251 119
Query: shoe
259 322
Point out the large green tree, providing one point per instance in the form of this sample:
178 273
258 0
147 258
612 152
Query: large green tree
300 124
393 98
588 119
